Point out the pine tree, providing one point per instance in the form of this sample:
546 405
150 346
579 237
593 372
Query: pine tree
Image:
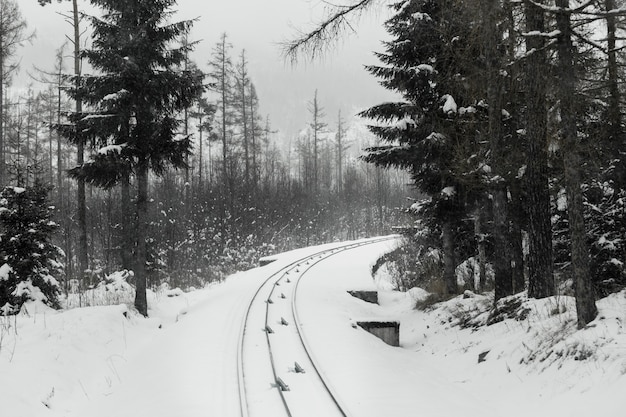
29 259
572 161
540 264
135 99
422 132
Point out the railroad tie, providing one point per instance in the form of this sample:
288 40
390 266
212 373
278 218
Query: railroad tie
281 384
298 368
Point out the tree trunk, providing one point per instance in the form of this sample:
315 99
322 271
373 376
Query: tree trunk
449 276
517 250
141 302
502 265
585 299
127 238
614 114
540 265
80 156
3 179
479 219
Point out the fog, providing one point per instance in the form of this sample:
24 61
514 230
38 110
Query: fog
258 27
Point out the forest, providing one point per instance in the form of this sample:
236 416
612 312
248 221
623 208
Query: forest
507 124
510 122
220 190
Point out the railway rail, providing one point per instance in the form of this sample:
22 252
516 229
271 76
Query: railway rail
271 324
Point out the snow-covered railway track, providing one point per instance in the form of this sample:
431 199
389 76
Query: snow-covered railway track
277 372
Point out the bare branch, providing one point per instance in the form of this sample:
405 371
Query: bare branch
315 43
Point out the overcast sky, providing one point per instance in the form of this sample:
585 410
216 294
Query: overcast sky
258 26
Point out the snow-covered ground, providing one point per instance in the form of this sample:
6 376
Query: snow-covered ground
108 361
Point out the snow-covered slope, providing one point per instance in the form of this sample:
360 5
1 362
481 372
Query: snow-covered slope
107 361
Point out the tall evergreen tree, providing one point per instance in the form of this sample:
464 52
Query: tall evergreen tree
540 263
572 161
421 132
136 96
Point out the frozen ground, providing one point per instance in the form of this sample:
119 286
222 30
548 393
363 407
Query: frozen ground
107 361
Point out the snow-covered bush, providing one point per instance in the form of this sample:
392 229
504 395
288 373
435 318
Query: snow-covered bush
412 264
605 218
28 260
112 289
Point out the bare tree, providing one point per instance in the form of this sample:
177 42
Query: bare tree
13 33
318 127
74 19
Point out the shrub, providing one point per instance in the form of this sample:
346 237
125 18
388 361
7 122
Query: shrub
28 260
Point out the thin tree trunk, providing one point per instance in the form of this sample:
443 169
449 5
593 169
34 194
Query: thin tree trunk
479 219
492 37
141 302
3 179
585 299
200 156
126 222
540 265
517 250
449 275
613 78
80 157
253 141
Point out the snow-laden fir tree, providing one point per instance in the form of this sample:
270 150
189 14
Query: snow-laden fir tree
28 260
429 133
134 99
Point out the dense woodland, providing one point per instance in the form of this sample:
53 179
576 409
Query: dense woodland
508 121
511 122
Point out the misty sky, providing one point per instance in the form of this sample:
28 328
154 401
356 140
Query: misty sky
258 26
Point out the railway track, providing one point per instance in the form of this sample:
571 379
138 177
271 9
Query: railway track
275 366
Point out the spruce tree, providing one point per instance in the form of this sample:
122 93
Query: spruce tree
28 259
135 97
423 133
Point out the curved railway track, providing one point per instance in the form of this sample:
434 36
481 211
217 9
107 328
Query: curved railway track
271 324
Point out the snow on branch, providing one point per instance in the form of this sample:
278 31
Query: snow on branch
316 42
556 10
536 33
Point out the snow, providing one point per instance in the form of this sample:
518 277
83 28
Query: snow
5 270
181 361
449 106
115 96
448 191
421 16
424 68
111 149
467 110
404 123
